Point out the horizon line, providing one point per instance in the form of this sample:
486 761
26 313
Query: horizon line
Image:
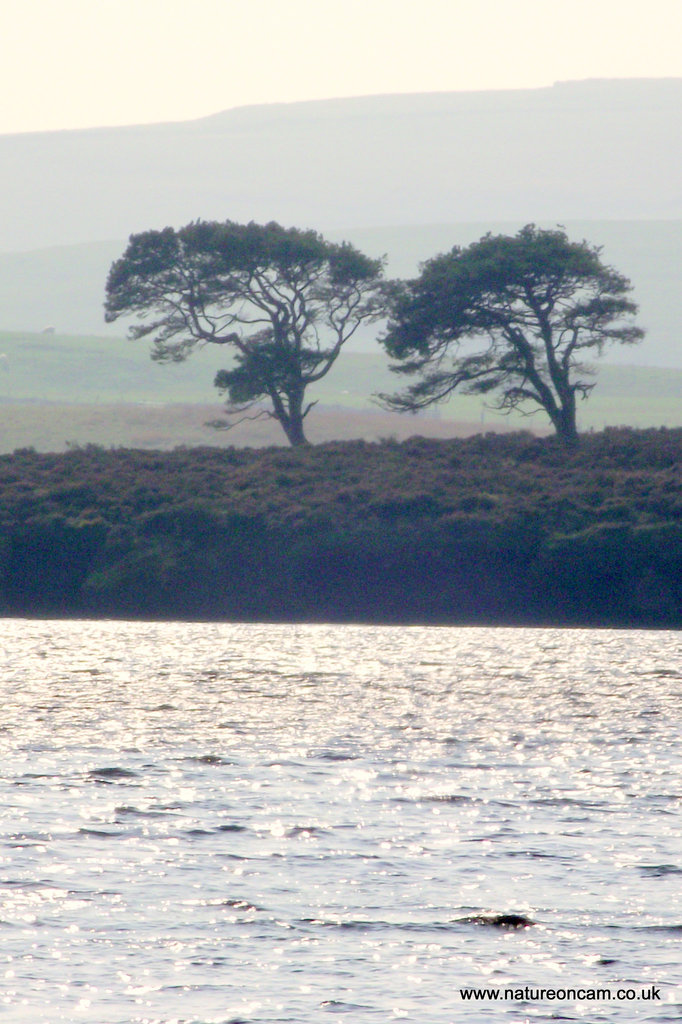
357 97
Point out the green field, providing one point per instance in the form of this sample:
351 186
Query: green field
57 390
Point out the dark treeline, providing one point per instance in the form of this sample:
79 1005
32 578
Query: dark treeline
490 529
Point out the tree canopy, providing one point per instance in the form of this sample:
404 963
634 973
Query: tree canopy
284 300
511 316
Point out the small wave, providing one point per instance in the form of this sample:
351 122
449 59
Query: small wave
568 801
498 920
305 831
202 833
358 925
668 929
338 1006
245 905
21 883
443 798
337 755
102 833
209 759
660 870
137 812
26 839
450 798
35 775
537 855
111 774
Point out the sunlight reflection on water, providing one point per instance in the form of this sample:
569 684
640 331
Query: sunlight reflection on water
210 822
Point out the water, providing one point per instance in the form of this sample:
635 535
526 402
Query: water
218 823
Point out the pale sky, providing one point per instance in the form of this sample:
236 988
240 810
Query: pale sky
86 63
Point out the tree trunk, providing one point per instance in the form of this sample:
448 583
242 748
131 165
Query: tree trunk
292 418
293 428
565 425
288 411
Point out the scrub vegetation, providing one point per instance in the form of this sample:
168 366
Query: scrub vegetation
499 529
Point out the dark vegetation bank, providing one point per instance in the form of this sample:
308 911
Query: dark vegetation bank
489 529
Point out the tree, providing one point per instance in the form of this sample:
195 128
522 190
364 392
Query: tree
285 301
510 315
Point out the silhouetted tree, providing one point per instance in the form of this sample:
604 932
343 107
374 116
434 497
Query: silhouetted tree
511 315
284 300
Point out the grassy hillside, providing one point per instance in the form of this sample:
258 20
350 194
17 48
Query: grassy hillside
61 286
57 390
487 529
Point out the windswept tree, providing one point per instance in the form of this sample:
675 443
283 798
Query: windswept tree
284 301
515 317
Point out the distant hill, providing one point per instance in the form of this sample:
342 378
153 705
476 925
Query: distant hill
408 176
576 151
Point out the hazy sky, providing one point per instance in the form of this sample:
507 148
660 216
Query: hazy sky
81 63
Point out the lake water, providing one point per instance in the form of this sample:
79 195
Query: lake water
218 823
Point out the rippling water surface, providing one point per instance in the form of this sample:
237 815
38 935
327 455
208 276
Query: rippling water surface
245 823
